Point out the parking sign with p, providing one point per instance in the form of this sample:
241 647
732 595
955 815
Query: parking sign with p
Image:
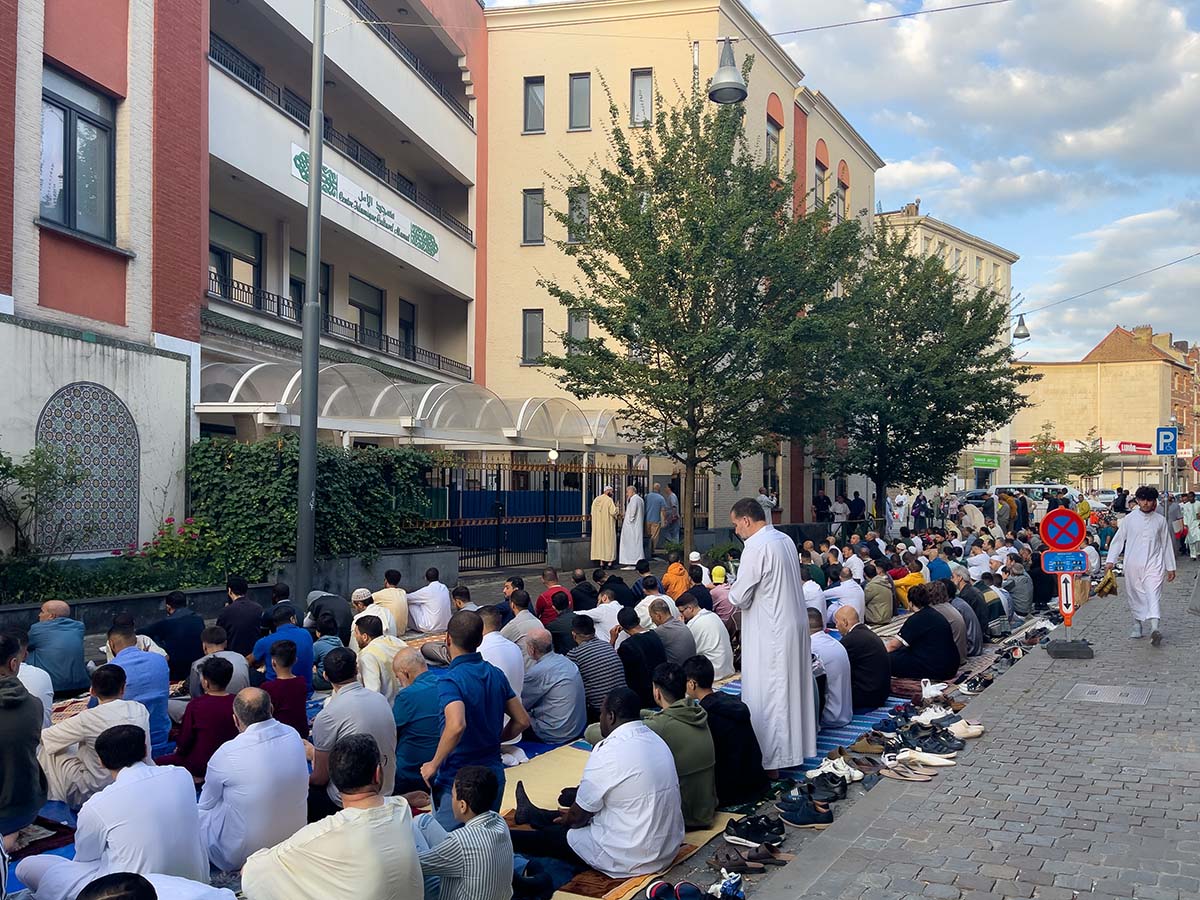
1166 441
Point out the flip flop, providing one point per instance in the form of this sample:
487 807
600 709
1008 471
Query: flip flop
902 775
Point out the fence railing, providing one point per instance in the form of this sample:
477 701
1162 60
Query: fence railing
285 308
251 75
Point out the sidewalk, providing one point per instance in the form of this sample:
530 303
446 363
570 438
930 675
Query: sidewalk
1060 799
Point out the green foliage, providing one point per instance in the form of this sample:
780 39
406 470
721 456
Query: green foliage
1088 461
367 499
695 277
919 370
1046 462
723 553
29 489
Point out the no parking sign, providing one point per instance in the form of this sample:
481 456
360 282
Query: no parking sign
1063 530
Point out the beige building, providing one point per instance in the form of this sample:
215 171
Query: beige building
980 264
1130 384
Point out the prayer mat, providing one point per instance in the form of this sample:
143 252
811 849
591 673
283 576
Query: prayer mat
42 836
418 639
65 709
831 738
545 777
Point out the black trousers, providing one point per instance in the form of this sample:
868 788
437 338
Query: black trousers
549 841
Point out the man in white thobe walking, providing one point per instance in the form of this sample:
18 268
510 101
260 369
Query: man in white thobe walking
777 682
1145 538
632 528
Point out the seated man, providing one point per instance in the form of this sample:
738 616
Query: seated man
604 614
323 603
362 603
56 646
847 592
22 782
676 637
145 821
36 681
675 580
326 859
698 575
391 597
940 601
598 663
256 791
641 653
839 707
68 753
375 652
739 770
214 643
351 710
684 727
417 714
523 620
286 629
642 568
915 576
327 639
543 606
474 862
288 693
870 665
207 723
627 817
147 680
429 607
560 625
971 627
553 693
131 886
584 594
710 635
650 585
925 647
879 599
719 589
178 634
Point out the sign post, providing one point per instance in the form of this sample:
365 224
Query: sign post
1064 532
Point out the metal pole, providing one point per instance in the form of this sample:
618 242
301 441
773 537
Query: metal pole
311 320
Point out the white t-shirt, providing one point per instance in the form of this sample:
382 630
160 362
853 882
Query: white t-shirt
630 786
429 607
643 608
712 641
37 682
814 597
855 564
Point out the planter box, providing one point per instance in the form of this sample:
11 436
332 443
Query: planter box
342 574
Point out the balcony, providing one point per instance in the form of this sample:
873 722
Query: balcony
250 75
279 307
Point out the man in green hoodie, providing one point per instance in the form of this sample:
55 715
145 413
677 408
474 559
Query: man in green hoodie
683 726
22 782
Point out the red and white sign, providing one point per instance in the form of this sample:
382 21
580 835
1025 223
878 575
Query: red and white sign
1066 597
1024 448
1134 447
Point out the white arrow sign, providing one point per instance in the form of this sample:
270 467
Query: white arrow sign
1066 595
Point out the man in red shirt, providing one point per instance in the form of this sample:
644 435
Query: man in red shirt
544 608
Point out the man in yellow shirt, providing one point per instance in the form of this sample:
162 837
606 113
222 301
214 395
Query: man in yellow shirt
914 577
392 598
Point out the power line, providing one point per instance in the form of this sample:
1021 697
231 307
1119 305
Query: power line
1102 287
907 15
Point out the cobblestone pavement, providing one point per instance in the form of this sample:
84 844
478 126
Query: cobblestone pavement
1060 799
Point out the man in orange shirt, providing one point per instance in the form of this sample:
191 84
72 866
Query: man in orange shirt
675 581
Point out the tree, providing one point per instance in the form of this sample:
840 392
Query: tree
1088 460
1047 462
697 277
30 490
919 371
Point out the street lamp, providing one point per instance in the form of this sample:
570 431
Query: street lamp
728 86
1021 332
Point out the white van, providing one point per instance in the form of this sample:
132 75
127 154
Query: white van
1037 495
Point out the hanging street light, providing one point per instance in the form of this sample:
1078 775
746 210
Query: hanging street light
728 86
1021 332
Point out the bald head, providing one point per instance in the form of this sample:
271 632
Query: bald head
845 618
538 642
55 609
408 665
251 706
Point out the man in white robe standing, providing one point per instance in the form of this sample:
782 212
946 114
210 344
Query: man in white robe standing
777 681
1145 538
632 529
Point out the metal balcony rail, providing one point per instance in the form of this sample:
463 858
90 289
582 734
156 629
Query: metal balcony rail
285 308
251 75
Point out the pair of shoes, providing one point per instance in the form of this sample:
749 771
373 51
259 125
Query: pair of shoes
978 684
925 759
751 831
685 890
838 767
823 790
809 816
964 730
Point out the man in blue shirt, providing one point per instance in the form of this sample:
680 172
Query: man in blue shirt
178 634
286 629
146 680
655 504
56 647
939 567
418 715
475 696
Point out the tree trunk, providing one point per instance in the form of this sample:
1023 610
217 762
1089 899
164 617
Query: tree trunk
687 506
881 505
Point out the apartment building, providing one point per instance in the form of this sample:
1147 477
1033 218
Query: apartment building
981 264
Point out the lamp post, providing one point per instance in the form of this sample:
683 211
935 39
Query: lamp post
306 489
1021 332
727 86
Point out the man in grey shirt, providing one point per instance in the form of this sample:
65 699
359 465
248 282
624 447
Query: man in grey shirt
523 621
351 710
553 692
1020 587
676 637
213 641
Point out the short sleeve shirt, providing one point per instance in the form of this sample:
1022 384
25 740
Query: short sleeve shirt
303 667
484 692
355 710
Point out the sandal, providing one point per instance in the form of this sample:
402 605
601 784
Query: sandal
730 860
768 856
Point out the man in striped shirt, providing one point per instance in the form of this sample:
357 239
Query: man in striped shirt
474 862
599 664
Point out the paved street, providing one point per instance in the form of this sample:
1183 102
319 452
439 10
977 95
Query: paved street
1058 800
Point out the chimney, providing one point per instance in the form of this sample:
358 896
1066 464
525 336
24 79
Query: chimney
1143 333
1181 346
914 208
1164 340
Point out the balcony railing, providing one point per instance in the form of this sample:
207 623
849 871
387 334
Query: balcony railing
290 104
285 308
373 21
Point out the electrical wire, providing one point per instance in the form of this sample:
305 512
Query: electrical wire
907 15
1103 287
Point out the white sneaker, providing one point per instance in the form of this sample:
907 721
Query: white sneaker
965 730
847 771
925 759
932 714
1137 629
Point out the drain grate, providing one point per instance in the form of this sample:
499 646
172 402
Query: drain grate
1103 693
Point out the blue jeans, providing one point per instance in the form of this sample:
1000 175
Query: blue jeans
441 798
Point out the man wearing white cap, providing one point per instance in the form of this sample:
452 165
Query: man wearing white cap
604 527
694 559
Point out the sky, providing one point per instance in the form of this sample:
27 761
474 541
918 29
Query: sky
1067 131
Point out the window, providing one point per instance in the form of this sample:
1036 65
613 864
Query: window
77 157
577 216
535 105
296 282
580 98
368 300
995 276
531 335
819 182
979 271
533 230
941 250
577 326
773 132
839 204
408 328
641 96
234 255
926 245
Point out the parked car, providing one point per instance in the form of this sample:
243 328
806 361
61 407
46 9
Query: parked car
975 497
1037 495
1104 497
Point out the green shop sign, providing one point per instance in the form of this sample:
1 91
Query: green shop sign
985 461
341 189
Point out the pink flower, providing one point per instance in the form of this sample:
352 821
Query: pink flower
188 521
143 553
170 520
154 544
133 546
182 531
118 552
145 543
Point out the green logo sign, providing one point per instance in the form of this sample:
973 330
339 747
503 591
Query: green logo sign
985 461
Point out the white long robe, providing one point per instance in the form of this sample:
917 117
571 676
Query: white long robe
1148 545
632 531
777 682
839 702
1191 518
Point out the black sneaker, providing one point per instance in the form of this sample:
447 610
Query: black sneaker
808 817
750 832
